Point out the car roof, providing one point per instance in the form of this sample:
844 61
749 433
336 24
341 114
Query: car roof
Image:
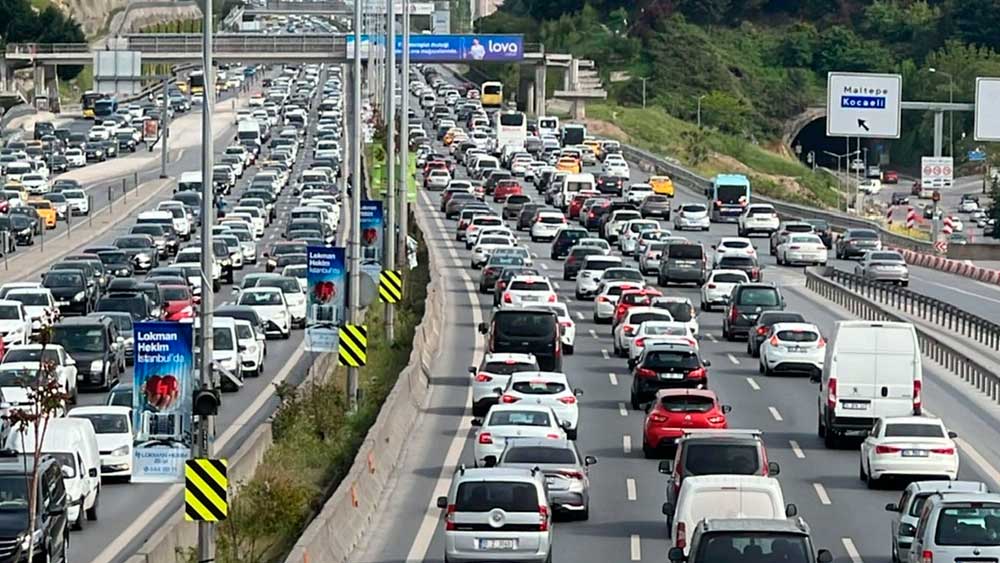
788 525
950 487
671 346
463 474
555 376
708 393
101 409
797 327
508 356
911 420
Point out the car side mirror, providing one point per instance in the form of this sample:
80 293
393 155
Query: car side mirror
891 507
92 472
472 369
667 509
815 378
490 461
442 502
498 391
706 363
67 472
726 409
241 348
590 460
791 511
647 407
953 435
676 555
824 556
578 392
773 469
477 422
482 328
666 466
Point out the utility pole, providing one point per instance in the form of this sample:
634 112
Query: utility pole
165 127
404 137
206 424
390 144
356 194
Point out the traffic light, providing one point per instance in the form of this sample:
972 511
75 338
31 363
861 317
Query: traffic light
206 402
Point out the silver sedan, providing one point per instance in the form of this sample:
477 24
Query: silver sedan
883 266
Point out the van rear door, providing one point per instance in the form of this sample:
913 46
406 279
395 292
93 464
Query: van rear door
898 364
857 358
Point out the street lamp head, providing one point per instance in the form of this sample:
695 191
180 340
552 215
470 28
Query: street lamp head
931 69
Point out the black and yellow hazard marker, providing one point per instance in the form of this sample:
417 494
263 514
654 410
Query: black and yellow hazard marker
390 286
353 345
205 490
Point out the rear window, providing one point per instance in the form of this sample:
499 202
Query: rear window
754 546
519 323
601 265
623 274
764 297
914 431
687 403
760 211
551 219
487 220
529 286
640 318
693 208
487 496
538 387
519 418
736 262
736 244
679 310
798 228
508 367
685 251
668 360
768 319
729 278
573 234
889 256
969 525
537 454
720 459
864 234
797 336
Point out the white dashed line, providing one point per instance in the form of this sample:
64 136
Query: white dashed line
544 266
753 384
627 444
593 333
622 410
604 352
630 489
711 336
821 493
613 378
556 285
579 315
733 359
852 550
775 414
796 449
634 549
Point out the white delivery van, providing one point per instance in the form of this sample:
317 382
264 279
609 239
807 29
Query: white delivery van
548 125
724 496
189 182
248 132
573 184
872 370
73 442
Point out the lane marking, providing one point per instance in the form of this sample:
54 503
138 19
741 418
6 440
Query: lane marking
711 337
821 493
604 352
579 315
634 549
796 449
852 550
556 285
622 410
775 414
733 359
613 378
544 266
630 489
627 444
753 384
593 333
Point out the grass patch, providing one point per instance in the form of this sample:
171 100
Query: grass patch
71 90
901 229
40 5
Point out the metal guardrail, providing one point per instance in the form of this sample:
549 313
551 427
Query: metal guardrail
791 210
983 378
239 43
46 48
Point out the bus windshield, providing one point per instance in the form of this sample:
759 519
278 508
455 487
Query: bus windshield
87 101
730 194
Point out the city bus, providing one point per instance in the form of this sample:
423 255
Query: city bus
492 95
727 196
87 100
511 128
196 83
105 107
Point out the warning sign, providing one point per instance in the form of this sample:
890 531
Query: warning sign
936 172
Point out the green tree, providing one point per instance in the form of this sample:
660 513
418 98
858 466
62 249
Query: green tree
910 27
725 111
976 21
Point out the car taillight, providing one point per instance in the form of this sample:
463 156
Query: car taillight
887 450
681 540
732 314
566 324
628 329
602 299
697 373
590 215
774 340
552 298
640 342
795 247
762 330
711 286
571 260
485 438
645 372
572 474
831 394
657 418
483 378
821 343
917 399
508 399
570 400
927 556
449 518
543 518
507 298
716 419
943 451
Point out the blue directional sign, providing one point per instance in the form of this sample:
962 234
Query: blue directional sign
977 156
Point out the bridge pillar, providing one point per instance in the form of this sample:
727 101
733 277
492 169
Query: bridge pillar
6 80
540 89
529 104
39 81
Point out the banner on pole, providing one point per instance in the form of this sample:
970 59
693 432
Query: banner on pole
326 277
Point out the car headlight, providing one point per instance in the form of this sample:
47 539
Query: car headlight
142 257
25 231
79 296
229 364
120 451
122 272
97 365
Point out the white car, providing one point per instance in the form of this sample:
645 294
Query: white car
295 298
968 206
269 303
252 348
525 291
437 180
614 223
652 332
628 237
638 192
79 203
908 446
548 389
478 222
734 246
299 272
113 426
792 347
608 294
15 324
692 216
804 248
957 225
588 279
492 373
98 133
567 326
870 186
510 420
11 286
758 218
482 251
617 167
29 357
546 225
600 243
75 158
35 184
719 286
625 331
39 304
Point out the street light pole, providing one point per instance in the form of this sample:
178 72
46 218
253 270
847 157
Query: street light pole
356 193
951 113
404 138
643 92
390 144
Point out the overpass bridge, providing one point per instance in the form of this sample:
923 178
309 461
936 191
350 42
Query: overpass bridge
329 8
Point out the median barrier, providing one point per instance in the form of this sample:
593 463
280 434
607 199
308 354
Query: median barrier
951 266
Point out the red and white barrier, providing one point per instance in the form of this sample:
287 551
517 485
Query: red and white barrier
958 267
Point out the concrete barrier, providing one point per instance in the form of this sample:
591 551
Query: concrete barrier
974 251
945 264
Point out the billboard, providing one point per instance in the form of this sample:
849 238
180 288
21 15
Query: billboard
326 276
162 388
449 48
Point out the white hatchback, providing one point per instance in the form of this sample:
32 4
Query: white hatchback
548 389
719 286
692 216
792 347
547 225
510 420
525 291
492 373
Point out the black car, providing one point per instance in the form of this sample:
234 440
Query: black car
613 185
856 242
527 215
96 346
50 536
748 264
94 151
746 304
666 365
164 238
575 258
110 148
137 305
22 229
126 142
116 262
43 128
494 267
245 313
71 289
526 331
565 239
141 249
759 330
58 163
30 213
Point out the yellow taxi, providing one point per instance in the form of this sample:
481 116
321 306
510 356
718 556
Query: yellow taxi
595 146
568 164
662 185
449 137
45 211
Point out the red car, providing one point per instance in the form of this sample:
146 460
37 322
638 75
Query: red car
506 188
576 204
675 411
632 298
435 165
890 177
178 303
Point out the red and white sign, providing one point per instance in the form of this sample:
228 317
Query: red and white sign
911 217
888 215
948 226
936 171
941 247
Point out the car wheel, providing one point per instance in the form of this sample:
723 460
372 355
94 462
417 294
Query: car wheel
286 335
820 429
570 349
571 433
754 350
77 525
761 368
861 470
92 511
634 401
872 482
727 334
648 451
829 438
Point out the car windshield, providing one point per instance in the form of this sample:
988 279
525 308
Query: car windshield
79 338
17 377
969 525
107 423
742 546
539 454
13 493
617 274
9 313
730 278
685 251
529 286
260 298
913 430
868 235
174 293
56 279
223 338
681 311
485 496
720 459
30 355
687 403
764 297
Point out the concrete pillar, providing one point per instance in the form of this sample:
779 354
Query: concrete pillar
540 89
938 132
574 75
579 110
39 81
5 84
529 104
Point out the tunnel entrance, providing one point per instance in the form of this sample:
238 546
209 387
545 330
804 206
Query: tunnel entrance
812 138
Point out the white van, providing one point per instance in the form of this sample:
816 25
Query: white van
575 183
248 131
872 370
189 182
724 496
164 217
548 125
74 442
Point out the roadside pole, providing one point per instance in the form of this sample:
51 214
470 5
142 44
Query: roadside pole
164 128
404 137
206 424
355 218
390 143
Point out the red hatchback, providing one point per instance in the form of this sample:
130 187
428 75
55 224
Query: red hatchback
178 303
506 188
890 177
435 165
633 298
676 411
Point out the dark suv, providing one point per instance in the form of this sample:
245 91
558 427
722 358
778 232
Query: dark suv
746 303
526 331
96 346
856 242
50 538
565 239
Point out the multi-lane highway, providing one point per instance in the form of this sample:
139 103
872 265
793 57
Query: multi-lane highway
627 491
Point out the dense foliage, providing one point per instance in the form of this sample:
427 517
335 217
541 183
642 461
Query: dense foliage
757 63
20 23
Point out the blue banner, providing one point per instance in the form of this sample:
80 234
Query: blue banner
326 276
449 48
372 231
162 388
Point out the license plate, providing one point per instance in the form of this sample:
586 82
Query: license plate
504 544
797 350
852 406
529 298
671 376
62 303
915 453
